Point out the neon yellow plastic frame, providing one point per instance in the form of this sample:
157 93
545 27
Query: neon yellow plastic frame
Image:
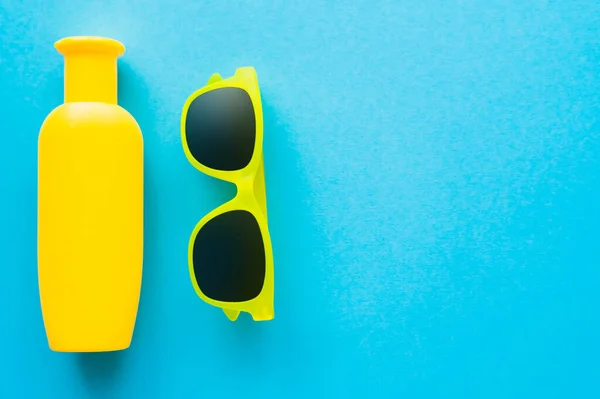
250 196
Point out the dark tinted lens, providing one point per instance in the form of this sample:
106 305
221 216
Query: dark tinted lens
229 257
220 129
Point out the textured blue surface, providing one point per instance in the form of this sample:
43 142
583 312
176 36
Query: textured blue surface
433 183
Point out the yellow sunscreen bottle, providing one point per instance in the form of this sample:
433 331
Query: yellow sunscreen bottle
90 206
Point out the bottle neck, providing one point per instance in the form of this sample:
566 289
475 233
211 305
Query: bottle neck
90 77
90 68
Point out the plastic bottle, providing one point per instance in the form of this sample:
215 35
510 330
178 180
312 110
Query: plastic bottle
90 206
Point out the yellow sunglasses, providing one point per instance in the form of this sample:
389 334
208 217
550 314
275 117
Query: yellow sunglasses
230 255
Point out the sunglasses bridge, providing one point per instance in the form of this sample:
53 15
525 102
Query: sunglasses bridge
245 188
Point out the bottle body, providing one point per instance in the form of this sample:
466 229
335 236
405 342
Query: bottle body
90 226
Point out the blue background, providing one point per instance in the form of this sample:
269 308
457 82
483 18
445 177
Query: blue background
433 178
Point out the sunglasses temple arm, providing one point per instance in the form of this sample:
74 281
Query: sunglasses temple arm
259 187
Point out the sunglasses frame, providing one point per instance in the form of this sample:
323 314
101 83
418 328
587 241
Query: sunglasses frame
250 196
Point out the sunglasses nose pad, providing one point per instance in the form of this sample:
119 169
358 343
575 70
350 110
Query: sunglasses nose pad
231 314
214 78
